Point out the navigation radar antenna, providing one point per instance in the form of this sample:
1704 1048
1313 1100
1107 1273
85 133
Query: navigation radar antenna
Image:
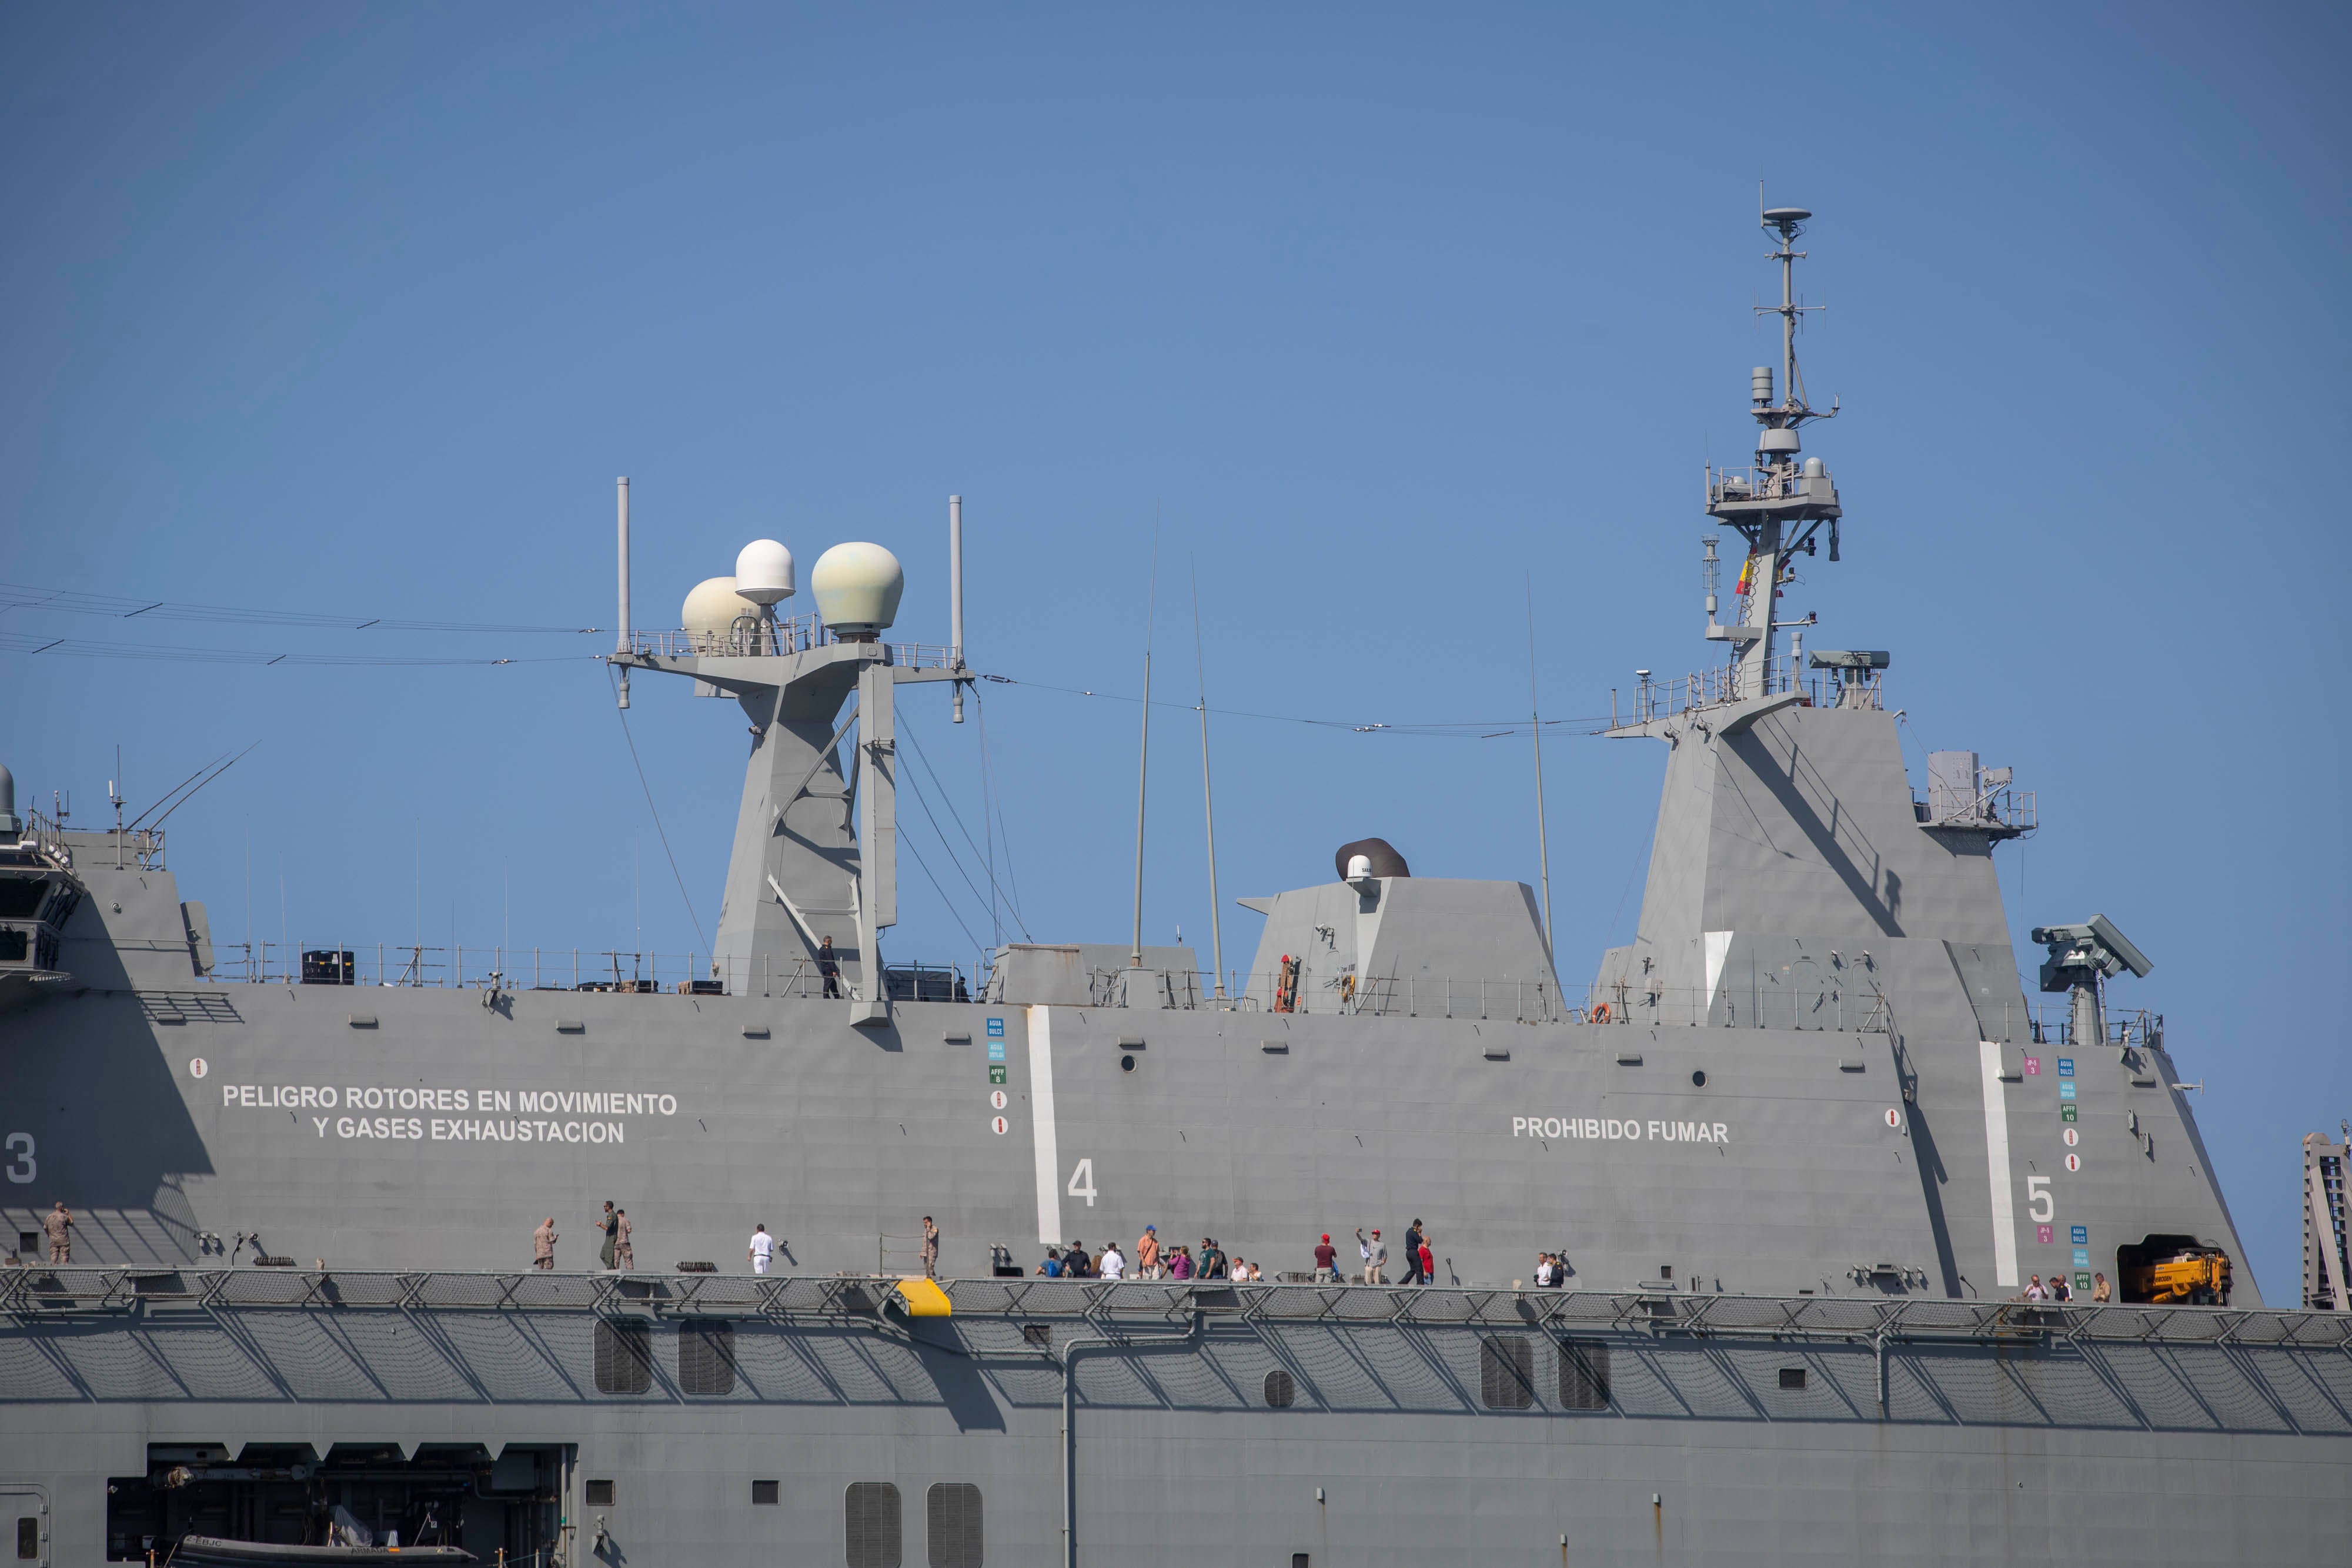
1779 502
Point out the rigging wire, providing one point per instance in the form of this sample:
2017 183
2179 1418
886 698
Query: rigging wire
989 790
915 788
90 648
647 785
1444 728
942 892
23 596
947 798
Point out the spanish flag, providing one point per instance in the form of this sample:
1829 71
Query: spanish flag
1746 577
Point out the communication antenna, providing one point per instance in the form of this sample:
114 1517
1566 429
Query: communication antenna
1534 728
1208 799
1143 761
624 639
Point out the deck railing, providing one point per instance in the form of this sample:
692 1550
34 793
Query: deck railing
40 1292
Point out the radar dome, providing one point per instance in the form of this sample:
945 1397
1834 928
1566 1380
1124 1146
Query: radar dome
763 572
857 587
711 610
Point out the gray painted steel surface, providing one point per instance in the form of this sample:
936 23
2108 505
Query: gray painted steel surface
1812 1086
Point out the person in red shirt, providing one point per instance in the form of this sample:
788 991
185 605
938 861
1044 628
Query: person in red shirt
1428 1262
1327 1262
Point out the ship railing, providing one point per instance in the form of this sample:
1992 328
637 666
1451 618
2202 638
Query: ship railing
509 969
1828 1003
1060 1306
748 639
1756 482
1673 697
2138 1029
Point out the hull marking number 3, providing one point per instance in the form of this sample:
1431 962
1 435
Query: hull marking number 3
1081 1181
22 1167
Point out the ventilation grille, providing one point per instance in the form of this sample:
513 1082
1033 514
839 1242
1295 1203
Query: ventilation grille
1792 1378
870 1521
1281 1389
625 1356
954 1516
1506 1365
706 1357
1583 1374
600 1494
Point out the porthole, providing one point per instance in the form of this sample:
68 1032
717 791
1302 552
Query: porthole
1698 1079
1126 1064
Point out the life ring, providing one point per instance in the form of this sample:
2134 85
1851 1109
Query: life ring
1601 1012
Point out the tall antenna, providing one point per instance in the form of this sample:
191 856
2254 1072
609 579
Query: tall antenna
1534 728
1143 762
623 643
1208 799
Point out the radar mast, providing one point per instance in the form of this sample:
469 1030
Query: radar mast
1779 502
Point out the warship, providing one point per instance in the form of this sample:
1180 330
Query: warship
1851 1251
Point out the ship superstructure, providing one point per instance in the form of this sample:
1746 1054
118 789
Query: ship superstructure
1810 1156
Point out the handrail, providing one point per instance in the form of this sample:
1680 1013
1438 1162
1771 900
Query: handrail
46 1291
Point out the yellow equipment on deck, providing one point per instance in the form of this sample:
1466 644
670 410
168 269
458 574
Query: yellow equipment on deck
2199 1276
923 1298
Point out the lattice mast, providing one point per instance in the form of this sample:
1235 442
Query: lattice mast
1781 501
2324 1264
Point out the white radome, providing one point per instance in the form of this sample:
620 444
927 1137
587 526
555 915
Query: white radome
710 612
763 572
857 587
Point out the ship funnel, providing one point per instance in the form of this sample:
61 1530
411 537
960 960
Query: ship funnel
857 587
8 823
763 572
1760 386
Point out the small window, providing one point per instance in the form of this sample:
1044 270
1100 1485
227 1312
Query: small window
28 1244
1583 1374
1507 1372
870 1523
1298 1560
600 1494
625 1356
28 1538
1037 1334
1281 1389
705 1358
1792 1378
763 1494
953 1507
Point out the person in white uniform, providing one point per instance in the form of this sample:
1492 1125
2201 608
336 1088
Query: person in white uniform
763 1247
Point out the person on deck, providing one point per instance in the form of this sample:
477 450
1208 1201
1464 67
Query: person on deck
1327 1262
1147 1253
542 1244
1376 1255
620 1246
609 1253
761 1249
1413 1270
829 967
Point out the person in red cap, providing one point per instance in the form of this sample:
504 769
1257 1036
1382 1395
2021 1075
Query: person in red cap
1325 1262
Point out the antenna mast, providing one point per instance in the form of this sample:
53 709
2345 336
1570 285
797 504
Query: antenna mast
1143 761
1535 730
1778 502
1208 799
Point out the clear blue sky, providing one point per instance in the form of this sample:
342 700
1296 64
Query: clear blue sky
1378 314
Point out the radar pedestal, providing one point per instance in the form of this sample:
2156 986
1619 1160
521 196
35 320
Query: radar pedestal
2081 960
